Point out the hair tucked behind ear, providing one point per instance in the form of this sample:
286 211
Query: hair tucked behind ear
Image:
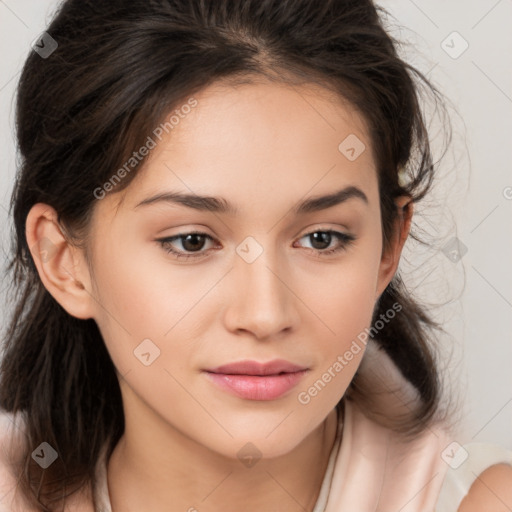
119 69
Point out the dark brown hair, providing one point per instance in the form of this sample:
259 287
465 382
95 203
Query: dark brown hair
120 67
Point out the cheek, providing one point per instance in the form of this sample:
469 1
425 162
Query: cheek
346 293
344 302
134 290
131 306
346 309
141 296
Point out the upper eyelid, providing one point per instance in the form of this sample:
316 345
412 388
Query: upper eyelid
178 236
305 233
314 228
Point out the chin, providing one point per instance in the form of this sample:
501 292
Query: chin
248 449
262 439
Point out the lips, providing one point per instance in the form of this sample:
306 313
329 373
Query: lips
274 367
257 381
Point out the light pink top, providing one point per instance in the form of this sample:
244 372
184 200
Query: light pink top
370 469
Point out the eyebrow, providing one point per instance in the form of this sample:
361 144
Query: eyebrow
221 205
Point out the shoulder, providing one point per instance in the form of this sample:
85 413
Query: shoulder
491 490
479 478
11 442
8 482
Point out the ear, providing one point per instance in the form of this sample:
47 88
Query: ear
391 255
61 266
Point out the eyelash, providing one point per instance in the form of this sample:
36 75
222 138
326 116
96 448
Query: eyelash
344 239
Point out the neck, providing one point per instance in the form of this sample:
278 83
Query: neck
189 477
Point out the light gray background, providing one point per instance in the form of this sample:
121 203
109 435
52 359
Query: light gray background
472 200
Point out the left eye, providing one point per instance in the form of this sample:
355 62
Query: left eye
194 242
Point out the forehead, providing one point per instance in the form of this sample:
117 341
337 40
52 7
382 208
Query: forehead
265 110
256 137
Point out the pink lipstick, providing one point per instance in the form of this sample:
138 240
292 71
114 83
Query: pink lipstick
257 381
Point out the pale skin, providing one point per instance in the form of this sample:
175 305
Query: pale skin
264 148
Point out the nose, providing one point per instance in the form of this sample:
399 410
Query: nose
262 301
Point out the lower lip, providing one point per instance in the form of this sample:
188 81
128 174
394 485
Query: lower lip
252 387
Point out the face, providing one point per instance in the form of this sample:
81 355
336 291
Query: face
260 281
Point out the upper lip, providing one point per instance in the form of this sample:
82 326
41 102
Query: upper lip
255 368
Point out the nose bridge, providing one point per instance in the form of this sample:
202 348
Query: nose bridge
264 304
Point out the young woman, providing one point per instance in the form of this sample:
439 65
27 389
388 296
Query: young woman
276 363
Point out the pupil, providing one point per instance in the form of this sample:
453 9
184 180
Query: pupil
324 238
195 244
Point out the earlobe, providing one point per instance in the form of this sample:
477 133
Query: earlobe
391 256
60 265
